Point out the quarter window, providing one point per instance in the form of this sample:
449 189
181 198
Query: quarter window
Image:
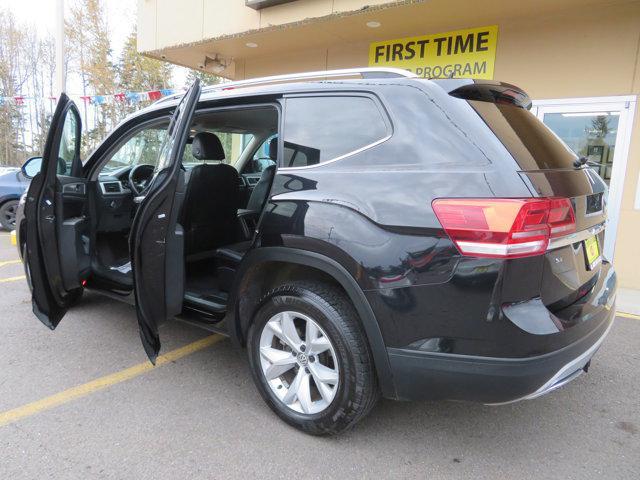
319 129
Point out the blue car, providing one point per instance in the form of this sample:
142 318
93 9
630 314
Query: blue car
12 184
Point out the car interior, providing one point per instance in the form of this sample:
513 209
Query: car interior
229 163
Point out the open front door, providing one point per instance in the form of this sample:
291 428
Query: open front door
56 252
157 239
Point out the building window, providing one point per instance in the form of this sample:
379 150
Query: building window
323 128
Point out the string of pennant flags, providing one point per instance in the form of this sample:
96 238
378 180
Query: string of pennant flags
129 97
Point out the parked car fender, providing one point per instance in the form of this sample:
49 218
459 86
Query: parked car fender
239 321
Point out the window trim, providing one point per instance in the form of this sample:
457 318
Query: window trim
386 118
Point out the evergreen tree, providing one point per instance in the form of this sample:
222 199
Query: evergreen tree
205 78
139 73
89 51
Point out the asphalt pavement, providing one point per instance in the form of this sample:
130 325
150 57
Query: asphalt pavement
83 402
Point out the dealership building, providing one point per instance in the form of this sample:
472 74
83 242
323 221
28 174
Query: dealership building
579 61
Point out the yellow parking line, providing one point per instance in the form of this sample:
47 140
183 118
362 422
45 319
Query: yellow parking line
98 384
12 279
9 262
628 315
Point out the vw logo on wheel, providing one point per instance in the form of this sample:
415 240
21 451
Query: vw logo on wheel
302 359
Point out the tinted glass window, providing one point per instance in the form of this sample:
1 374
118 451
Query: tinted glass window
317 129
528 140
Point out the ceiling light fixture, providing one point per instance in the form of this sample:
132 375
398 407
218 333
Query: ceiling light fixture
251 44
373 24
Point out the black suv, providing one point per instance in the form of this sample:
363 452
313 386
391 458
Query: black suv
361 233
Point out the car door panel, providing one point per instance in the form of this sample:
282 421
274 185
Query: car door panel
73 231
53 284
157 239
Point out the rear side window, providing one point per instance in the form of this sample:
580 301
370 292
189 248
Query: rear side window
322 128
531 143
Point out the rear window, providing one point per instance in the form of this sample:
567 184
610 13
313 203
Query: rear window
530 142
322 128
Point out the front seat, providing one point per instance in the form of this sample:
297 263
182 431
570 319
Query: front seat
209 214
261 190
248 218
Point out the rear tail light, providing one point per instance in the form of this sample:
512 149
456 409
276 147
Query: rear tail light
562 220
504 227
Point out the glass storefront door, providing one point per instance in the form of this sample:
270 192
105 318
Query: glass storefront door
600 130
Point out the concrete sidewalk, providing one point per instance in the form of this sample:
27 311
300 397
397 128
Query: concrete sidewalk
628 301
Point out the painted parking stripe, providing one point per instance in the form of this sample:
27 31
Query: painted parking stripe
10 262
98 384
12 279
628 315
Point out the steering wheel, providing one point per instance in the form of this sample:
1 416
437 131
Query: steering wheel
140 177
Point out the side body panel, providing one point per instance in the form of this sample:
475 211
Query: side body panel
371 212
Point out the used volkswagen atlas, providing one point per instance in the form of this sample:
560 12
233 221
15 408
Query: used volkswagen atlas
362 233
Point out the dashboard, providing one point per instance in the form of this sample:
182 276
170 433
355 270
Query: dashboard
115 201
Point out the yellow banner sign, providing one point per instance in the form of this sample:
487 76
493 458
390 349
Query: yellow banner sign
467 53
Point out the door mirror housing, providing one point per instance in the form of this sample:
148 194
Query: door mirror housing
32 167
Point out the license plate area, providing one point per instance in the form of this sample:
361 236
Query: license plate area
592 253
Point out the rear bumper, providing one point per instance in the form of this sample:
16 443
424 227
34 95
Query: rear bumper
438 376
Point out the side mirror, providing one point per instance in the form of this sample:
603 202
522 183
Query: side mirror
32 167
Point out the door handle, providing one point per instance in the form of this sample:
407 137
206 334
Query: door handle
139 199
50 218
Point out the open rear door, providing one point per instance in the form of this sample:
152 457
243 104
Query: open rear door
157 239
55 257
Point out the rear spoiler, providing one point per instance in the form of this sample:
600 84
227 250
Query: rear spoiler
493 92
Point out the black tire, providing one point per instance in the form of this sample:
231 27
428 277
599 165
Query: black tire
8 214
357 390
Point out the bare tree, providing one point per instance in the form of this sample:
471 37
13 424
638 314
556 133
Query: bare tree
27 69
13 77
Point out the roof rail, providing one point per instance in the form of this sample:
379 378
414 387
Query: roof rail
380 72
299 77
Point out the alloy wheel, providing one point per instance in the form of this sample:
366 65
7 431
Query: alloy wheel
9 214
299 362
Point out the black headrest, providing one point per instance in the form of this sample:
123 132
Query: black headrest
207 146
273 149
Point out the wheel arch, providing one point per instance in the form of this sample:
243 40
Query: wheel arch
257 267
7 198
